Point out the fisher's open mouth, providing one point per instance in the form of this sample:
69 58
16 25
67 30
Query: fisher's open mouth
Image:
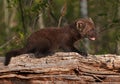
92 38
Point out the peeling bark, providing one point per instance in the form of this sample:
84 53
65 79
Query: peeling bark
61 68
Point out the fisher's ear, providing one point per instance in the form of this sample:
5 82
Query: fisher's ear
80 25
90 19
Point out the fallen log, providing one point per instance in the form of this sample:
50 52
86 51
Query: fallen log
61 68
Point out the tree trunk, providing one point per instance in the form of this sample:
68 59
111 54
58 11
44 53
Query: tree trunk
84 13
12 21
118 31
118 46
6 16
61 68
40 21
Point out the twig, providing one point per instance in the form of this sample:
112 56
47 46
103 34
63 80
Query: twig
80 72
94 76
108 27
63 13
60 19
8 42
22 18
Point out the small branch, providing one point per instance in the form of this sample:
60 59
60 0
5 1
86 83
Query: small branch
63 12
109 27
94 76
22 18
7 42
60 20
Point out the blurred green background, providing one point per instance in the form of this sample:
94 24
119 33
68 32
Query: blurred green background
19 18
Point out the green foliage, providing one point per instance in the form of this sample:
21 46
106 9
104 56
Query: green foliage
106 17
12 3
104 13
37 6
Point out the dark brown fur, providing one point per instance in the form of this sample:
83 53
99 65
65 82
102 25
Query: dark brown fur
49 40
